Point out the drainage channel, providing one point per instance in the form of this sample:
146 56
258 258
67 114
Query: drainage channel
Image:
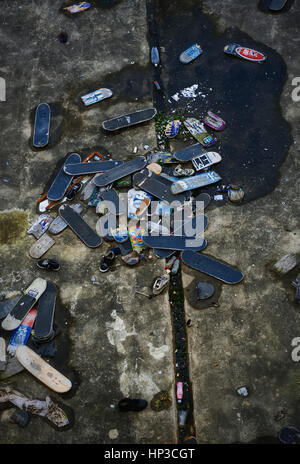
186 425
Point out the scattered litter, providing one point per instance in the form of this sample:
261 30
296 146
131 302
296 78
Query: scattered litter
155 56
242 391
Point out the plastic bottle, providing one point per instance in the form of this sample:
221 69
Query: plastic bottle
154 56
179 391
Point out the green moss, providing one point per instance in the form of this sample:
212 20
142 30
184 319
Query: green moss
12 226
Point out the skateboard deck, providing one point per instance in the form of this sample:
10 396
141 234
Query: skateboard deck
198 131
190 54
245 53
204 161
41 125
163 254
113 202
62 180
94 167
41 246
43 327
214 121
120 171
77 7
172 128
129 119
277 5
187 154
40 225
42 370
21 334
197 181
211 267
205 200
161 157
94 97
7 305
58 225
153 184
83 231
174 242
24 304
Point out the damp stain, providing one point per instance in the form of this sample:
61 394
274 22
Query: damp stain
13 226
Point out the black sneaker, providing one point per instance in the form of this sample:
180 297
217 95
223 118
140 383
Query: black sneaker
107 261
48 264
128 404
73 190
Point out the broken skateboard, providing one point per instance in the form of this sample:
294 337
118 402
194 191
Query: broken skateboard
120 171
43 328
94 167
24 304
214 121
153 184
187 154
205 161
42 370
197 181
62 180
83 231
129 119
211 267
41 246
94 97
41 125
198 131
40 225
190 54
245 53
174 242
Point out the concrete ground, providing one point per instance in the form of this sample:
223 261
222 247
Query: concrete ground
120 344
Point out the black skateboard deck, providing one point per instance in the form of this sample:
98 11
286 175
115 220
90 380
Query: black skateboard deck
277 5
211 267
7 305
83 231
129 119
202 197
120 171
80 169
24 304
187 154
43 326
113 202
163 254
175 243
41 125
62 180
155 185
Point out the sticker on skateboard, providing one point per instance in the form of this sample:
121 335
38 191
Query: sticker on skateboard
153 184
197 181
214 121
95 97
62 180
94 167
83 231
42 370
22 333
43 328
245 53
207 160
172 128
41 125
138 202
77 7
187 154
120 171
40 226
129 119
174 242
41 246
161 157
24 304
58 225
211 267
198 131
190 54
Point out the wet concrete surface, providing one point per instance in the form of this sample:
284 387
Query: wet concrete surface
114 342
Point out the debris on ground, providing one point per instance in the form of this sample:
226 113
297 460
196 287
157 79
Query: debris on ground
285 264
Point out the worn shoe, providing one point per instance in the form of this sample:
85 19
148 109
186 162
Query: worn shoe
107 261
128 404
160 284
132 258
72 192
48 264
